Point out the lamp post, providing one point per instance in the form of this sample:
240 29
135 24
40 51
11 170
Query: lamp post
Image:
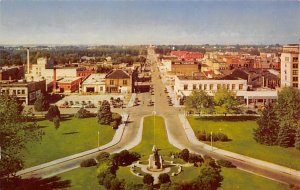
154 113
98 140
211 140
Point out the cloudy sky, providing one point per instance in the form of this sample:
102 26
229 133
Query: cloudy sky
149 22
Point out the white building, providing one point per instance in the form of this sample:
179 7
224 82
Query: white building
184 85
290 66
95 83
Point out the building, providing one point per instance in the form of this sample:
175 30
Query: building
118 81
26 92
11 73
184 85
187 55
95 83
290 66
69 84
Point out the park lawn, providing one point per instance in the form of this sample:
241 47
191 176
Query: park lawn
124 173
234 179
73 136
241 134
154 134
82 178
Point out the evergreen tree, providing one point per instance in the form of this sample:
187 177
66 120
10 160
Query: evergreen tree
288 114
104 113
297 143
268 127
41 103
56 122
286 136
52 113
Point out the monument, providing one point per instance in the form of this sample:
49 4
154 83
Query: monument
155 161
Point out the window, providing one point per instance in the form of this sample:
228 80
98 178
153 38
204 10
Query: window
124 82
211 86
287 59
233 87
200 86
240 87
295 66
295 72
101 88
111 82
185 87
23 91
205 86
194 87
14 91
18 91
218 86
295 79
295 59
228 87
3 91
295 85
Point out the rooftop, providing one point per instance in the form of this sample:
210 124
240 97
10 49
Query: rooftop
117 74
95 78
69 79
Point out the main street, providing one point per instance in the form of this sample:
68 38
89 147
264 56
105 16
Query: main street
175 131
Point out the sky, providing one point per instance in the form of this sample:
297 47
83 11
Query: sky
149 22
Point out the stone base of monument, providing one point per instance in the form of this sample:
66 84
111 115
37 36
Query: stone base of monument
155 169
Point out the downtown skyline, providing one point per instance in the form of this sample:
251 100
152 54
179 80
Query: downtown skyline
149 22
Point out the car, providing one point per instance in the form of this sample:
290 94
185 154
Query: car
76 106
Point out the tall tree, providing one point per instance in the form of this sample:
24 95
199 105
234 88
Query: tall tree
148 179
41 103
226 102
209 179
53 112
288 114
200 101
104 113
297 143
268 127
14 134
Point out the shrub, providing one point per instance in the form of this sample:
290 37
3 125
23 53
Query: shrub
184 154
88 163
221 137
114 125
195 158
83 113
117 117
225 163
250 112
148 179
201 135
53 112
102 156
164 178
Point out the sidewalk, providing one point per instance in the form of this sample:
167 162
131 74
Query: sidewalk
131 101
116 139
193 139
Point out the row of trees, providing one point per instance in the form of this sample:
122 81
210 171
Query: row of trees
280 121
223 102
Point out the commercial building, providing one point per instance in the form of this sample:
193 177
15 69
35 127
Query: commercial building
290 66
118 81
69 84
26 92
11 73
95 83
187 55
184 85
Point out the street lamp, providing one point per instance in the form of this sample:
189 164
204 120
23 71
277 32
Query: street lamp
98 140
154 113
211 140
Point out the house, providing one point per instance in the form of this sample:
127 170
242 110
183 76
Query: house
69 84
118 81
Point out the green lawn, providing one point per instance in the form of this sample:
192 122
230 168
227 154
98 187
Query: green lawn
154 134
234 179
82 178
73 136
241 133
124 173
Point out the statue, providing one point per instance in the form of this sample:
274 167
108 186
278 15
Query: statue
155 160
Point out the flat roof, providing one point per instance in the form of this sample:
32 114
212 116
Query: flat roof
68 79
95 78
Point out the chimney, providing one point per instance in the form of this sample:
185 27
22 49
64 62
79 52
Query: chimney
28 60
54 79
